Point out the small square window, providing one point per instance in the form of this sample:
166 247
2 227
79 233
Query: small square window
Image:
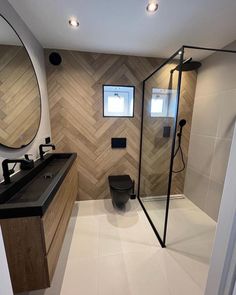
163 102
118 101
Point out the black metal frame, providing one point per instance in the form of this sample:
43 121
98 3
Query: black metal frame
162 242
5 147
173 145
139 172
151 223
208 49
182 49
116 85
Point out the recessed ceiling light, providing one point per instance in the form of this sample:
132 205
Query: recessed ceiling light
73 22
180 52
152 7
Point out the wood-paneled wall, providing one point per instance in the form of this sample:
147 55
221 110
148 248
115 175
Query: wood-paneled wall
78 125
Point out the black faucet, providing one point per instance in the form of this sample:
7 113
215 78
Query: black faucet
28 164
7 172
41 146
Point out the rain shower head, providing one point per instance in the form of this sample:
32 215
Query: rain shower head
187 65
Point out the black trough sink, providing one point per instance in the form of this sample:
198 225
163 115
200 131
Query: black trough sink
30 192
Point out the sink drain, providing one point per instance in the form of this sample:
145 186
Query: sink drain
48 176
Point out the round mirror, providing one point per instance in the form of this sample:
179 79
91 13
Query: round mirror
20 103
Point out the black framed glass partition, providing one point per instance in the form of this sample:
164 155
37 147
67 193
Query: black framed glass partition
188 116
159 113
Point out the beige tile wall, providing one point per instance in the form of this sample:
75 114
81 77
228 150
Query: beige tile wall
212 128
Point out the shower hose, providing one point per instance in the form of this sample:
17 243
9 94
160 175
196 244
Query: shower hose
179 149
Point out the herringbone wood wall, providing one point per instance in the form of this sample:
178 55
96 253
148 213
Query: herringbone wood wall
75 98
19 97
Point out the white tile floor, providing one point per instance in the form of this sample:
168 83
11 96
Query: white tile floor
190 235
110 253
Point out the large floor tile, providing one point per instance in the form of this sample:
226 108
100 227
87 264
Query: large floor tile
145 274
85 238
121 234
109 237
133 241
190 232
113 277
104 207
132 273
179 280
111 252
194 268
81 277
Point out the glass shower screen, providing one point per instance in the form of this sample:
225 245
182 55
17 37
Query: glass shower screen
160 104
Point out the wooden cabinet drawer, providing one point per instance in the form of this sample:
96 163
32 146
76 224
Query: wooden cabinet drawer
54 251
25 253
54 213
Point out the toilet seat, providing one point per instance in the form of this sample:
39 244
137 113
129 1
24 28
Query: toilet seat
120 182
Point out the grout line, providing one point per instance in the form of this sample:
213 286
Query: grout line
198 172
215 93
211 136
205 176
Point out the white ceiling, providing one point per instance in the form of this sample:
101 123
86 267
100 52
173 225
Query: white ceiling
124 26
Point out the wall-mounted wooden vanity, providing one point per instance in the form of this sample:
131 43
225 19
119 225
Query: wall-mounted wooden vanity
34 219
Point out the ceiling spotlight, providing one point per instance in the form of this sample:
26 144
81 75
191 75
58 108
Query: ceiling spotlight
73 22
180 52
152 7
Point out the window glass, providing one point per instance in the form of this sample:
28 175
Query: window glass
116 104
157 105
118 101
163 102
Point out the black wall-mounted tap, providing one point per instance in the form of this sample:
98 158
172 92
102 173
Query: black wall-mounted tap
41 146
5 168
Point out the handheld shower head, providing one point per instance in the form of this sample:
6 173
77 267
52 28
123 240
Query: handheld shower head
182 123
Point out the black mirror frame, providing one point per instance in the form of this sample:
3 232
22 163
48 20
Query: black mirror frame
40 96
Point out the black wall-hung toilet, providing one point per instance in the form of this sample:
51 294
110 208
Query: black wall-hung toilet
121 187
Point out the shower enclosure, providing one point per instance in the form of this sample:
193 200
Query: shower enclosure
173 119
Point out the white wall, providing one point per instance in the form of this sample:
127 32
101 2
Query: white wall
36 53
221 278
212 129
5 284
